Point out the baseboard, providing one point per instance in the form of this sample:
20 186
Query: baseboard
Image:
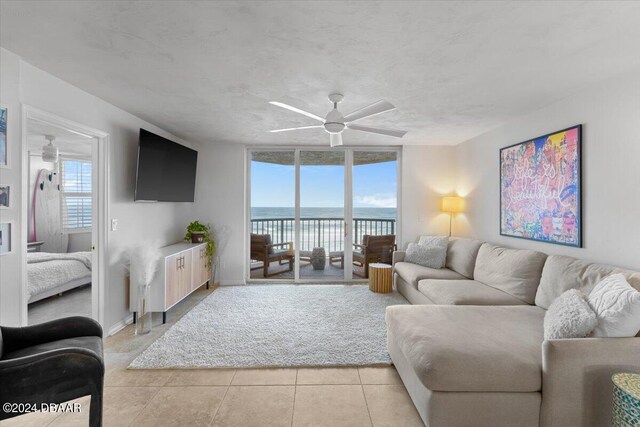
231 282
121 325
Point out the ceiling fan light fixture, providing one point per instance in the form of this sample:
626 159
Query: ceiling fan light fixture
333 127
50 152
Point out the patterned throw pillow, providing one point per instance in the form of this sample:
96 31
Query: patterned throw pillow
427 256
440 242
569 316
617 306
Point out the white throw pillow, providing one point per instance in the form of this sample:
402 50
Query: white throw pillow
439 242
427 256
569 316
617 307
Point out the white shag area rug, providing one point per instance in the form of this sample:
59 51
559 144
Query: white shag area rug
277 326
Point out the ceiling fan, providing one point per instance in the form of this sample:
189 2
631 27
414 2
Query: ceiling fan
335 123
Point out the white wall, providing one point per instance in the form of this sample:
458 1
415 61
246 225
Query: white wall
160 223
428 173
610 113
220 202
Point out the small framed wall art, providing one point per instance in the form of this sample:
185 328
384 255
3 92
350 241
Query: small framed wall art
5 193
4 154
5 238
541 188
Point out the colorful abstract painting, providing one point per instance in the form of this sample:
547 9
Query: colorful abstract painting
3 136
540 188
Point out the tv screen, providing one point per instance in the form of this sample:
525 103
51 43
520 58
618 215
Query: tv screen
166 170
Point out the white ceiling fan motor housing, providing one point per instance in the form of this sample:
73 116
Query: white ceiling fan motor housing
334 122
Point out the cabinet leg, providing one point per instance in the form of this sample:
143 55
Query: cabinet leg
135 317
164 317
207 284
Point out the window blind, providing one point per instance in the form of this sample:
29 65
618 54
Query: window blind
75 191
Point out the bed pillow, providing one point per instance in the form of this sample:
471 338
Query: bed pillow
427 256
569 316
617 307
441 243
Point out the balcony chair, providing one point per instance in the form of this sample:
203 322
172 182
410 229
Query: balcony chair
373 249
52 362
263 250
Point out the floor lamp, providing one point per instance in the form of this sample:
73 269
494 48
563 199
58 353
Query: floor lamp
451 205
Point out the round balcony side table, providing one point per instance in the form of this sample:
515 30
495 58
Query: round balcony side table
380 278
625 411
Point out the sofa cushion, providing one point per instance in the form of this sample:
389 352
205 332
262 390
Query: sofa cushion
462 254
561 273
427 256
470 348
514 271
439 245
413 273
465 292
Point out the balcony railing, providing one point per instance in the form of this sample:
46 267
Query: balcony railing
327 233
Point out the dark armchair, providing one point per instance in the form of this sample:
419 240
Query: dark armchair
373 249
263 250
52 362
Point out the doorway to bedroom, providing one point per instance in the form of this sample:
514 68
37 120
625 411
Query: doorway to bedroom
62 196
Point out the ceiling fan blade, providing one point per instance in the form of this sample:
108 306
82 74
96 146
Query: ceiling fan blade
298 128
296 110
370 110
335 139
390 132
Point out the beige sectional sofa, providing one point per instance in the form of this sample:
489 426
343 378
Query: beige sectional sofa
471 350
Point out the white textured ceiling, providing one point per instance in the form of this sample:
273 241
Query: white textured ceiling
206 70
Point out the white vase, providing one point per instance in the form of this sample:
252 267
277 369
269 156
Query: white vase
144 321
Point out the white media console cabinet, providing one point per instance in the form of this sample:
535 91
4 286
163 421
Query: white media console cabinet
182 269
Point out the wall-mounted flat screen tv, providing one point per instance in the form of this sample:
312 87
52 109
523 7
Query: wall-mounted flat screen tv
166 170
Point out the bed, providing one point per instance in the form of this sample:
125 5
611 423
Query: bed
49 274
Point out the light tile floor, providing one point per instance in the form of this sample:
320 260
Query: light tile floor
365 396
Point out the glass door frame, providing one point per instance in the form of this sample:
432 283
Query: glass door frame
348 276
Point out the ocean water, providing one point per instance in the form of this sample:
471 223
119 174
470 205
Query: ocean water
369 213
321 227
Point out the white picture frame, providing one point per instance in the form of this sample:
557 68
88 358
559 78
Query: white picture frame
6 245
4 137
5 196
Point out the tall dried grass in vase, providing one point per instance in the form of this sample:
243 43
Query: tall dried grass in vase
143 265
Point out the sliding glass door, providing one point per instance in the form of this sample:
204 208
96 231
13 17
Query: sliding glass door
375 208
320 215
272 215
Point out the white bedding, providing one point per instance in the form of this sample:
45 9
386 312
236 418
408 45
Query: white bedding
48 270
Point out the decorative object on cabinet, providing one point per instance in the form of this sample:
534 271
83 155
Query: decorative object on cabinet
181 270
200 233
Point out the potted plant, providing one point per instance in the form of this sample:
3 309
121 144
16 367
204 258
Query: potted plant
200 233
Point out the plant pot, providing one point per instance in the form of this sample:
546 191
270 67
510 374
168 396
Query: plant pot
197 237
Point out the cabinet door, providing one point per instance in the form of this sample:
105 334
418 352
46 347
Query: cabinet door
185 274
172 279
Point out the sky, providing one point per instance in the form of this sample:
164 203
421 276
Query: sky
374 185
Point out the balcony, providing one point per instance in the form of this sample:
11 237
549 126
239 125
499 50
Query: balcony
327 233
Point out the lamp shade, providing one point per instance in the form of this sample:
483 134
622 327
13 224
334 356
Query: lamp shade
452 204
